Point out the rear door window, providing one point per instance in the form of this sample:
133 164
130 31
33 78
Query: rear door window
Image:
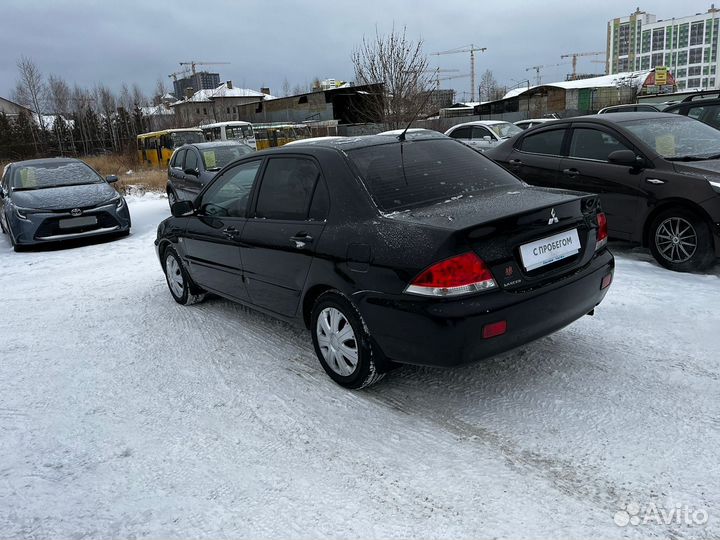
461 133
545 142
287 188
426 171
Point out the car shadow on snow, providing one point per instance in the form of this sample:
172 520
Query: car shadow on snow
636 253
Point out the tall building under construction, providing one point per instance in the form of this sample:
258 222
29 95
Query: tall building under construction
202 80
687 46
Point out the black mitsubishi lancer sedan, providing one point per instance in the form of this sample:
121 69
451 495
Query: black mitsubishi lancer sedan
390 250
57 199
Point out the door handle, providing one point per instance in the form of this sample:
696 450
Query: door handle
231 232
515 163
572 173
300 239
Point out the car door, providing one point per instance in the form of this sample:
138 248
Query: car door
279 239
536 156
192 166
211 242
176 174
482 138
586 168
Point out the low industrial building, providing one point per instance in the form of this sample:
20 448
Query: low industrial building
220 104
12 109
573 98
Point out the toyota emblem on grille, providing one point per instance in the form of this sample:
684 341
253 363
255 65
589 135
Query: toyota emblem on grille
553 218
75 212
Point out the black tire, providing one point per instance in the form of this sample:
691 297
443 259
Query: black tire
681 240
182 289
365 371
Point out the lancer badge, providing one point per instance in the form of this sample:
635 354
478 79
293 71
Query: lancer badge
553 218
75 212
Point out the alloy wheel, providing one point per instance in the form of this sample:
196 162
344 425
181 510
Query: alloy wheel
337 342
676 240
174 276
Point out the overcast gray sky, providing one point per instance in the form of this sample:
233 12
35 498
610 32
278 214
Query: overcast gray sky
116 41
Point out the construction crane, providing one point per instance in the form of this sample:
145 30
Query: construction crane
435 72
184 72
538 77
471 49
193 63
575 56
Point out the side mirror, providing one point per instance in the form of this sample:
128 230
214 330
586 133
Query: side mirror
487 138
111 178
193 172
626 157
182 208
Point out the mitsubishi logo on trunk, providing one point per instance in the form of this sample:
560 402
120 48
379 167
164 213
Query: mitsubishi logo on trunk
553 218
76 212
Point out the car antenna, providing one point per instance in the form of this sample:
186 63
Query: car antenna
401 137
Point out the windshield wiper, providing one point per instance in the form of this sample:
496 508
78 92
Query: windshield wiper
687 158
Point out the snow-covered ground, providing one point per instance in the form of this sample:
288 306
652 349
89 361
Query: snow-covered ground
123 414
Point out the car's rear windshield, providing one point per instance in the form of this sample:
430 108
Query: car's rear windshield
215 158
419 172
53 175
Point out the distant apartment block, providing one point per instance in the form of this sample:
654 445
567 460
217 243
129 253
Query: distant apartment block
687 46
202 80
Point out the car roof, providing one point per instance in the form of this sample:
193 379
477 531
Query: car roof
215 144
45 161
362 141
619 117
481 123
696 103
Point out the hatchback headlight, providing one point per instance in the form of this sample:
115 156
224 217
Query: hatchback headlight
120 202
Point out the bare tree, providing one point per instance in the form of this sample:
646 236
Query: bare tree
160 91
285 88
59 98
31 92
401 66
489 88
138 97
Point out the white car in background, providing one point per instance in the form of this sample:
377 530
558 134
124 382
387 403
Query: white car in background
483 134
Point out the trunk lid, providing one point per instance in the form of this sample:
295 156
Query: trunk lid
496 223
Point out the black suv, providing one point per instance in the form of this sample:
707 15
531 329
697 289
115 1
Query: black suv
657 175
703 106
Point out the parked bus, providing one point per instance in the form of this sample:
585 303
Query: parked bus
156 147
230 131
271 135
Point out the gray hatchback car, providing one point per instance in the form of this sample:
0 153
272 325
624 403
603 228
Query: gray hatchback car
192 166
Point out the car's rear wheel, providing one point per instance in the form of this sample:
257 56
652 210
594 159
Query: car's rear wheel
342 343
182 289
680 240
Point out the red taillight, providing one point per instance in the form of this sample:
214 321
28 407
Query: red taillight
606 281
494 329
602 231
462 274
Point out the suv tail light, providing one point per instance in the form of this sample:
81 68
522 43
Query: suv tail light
602 231
462 274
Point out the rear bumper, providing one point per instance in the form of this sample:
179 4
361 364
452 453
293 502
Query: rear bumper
449 333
